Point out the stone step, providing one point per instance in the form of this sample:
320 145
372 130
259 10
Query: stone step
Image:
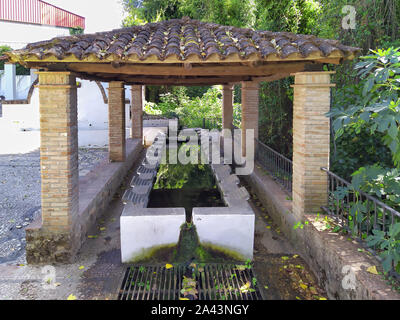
137 182
138 201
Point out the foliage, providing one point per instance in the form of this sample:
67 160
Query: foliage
230 12
377 22
276 116
76 30
377 108
178 176
276 98
373 112
389 246
21 71
383 183
376 26
357 148
191 111
296 16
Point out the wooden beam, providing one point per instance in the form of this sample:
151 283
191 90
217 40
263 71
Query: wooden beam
174 81
214 58
273 77
194 70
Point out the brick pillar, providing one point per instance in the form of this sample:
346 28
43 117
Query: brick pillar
311 133
137 112
250 98
116 121
53 238
227 106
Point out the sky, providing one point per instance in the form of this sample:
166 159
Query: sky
101 15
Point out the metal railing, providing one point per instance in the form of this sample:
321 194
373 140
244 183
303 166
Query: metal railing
212 123
280 167
357 212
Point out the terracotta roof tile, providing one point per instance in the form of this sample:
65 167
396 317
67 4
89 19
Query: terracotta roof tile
183 38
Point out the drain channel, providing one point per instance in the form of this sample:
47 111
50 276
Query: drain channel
213 282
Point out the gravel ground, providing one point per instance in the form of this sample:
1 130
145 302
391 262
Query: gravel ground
20 197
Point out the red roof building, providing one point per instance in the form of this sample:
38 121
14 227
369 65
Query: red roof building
39 12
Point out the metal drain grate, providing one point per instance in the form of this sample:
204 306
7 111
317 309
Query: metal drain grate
214 282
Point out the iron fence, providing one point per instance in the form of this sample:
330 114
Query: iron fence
357 212
212 123
280 167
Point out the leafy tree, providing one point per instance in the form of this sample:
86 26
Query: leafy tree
76 30
378 105
21 71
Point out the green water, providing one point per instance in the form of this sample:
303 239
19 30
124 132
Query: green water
187 186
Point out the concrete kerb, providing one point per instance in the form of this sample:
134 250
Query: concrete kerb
231 227
145 229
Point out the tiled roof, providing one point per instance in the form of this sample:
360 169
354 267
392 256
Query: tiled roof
183 40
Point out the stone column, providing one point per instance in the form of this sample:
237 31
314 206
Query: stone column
250 98
137 112
227 106
116 121
53 239
10 73
311 133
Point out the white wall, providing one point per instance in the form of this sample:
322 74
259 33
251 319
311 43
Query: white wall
92 114
18 35
23 84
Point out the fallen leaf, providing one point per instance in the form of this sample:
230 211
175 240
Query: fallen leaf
240 267
71 297
295 256
183 298
322 298
245 288
372 270
284 258
168 266
303 286
81 267
102 228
